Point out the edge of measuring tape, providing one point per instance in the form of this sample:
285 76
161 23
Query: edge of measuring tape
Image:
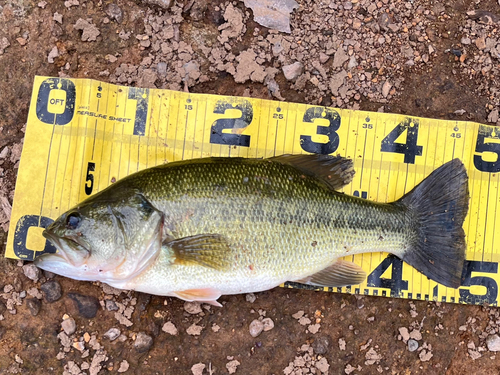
83 135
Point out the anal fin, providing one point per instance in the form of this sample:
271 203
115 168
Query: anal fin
339 274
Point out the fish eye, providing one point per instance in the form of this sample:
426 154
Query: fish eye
73 220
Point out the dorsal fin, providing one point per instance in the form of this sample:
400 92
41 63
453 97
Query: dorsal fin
335 171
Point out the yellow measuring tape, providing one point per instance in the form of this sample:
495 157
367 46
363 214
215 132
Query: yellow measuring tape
82 135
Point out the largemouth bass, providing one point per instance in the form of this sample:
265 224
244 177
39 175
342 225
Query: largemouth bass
203 228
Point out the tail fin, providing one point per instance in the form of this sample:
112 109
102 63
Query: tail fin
439 205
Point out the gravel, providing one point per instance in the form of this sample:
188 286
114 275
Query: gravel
412 345
143 342
493 343
87 305
256 327
112 334
31 271
51 290
69 326
34 306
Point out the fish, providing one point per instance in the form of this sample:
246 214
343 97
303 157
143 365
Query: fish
199 229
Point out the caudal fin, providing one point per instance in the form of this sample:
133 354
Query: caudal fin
439 205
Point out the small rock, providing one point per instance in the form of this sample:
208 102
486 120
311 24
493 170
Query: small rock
143 342
69 326
31 271
386 88
114 12
465 41
57 17
416 335
352 62
34 306
111 305
232 366
90 32
321 344
112 334
268 324
54 52
4 153
425 355
403 331
165 4
322 365
250 297
123 366
340 58
323 57
193 307
4 43
493 343
194 330
256 328
51 291
292 71
87 305
480 43
170 328
493 116
412 345
198 368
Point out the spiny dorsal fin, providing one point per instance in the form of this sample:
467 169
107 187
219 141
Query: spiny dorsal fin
209 250
341 273
335 171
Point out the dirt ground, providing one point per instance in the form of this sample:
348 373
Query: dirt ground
424 58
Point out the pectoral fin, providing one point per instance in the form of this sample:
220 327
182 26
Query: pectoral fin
341 273
209 250
335 171
207 295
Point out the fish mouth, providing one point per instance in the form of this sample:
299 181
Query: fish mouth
68 250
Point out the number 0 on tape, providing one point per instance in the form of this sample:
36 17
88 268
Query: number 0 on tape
82 135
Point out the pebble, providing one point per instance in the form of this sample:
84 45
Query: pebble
268 324
51 291
170 328
493 116
250 297
386 88
87 305
114 12
143 342
123 366
412 345
31 271
256 328
111 305
69 326
480 43
112 334
34 306
192 308
321 344
292 71
493 343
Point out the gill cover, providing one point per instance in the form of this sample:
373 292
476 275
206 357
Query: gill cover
110 237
